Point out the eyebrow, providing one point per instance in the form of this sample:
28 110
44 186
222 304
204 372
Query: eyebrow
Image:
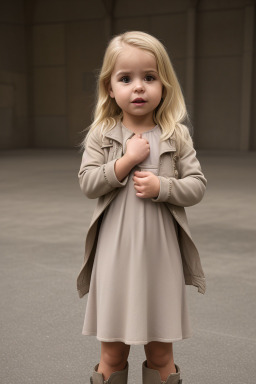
119 73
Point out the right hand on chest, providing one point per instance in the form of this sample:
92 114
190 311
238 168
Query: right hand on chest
137 149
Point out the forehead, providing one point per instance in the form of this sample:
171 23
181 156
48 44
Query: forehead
131 58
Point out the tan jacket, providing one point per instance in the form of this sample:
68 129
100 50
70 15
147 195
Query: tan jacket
182 184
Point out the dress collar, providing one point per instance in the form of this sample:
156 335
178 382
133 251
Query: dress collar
116 133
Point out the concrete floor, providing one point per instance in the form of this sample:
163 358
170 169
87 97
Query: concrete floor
44 218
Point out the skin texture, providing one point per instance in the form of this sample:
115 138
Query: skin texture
135 76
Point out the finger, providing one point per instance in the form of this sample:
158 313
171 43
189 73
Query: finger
137 179
137 187
139 182
140 135
140 195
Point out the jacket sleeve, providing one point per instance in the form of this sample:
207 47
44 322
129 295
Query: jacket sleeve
97 178
190 187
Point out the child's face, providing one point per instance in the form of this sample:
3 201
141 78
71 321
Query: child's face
135 83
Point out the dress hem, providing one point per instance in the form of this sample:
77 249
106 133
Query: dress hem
136 342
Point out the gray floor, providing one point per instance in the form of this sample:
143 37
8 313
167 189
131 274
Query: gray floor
44 218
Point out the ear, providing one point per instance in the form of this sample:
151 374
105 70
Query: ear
110 91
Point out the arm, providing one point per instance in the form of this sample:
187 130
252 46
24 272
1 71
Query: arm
189 189
95 177
123 166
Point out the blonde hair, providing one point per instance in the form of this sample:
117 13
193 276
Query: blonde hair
170 113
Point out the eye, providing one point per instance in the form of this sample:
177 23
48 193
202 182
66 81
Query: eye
125 79
149 78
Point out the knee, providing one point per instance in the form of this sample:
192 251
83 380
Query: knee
114 355
159 356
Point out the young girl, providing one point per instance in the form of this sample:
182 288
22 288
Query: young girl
140 163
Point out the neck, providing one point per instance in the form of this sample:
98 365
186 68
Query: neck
138 124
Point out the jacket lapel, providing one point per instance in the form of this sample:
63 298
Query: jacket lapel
167 146
116 133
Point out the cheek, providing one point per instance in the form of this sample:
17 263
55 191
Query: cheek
161 89
159 93
121 93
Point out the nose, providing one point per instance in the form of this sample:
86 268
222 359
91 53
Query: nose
138 86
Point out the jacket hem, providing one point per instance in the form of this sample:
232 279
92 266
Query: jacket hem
83 291
197 281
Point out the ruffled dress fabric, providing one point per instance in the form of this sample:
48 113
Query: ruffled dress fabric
137 291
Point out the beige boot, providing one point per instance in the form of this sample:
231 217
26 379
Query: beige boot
118 377
152 376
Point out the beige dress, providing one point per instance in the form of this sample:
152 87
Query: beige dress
137 291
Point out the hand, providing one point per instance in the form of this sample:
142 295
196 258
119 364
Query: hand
146 184
137 149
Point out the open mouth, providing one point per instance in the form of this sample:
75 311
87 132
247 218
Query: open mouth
139 101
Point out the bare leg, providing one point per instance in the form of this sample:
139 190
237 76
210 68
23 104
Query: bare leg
113 358
160 356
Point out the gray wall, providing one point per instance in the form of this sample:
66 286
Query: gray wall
50 51
13 76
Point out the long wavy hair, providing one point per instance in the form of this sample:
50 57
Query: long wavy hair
170 114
